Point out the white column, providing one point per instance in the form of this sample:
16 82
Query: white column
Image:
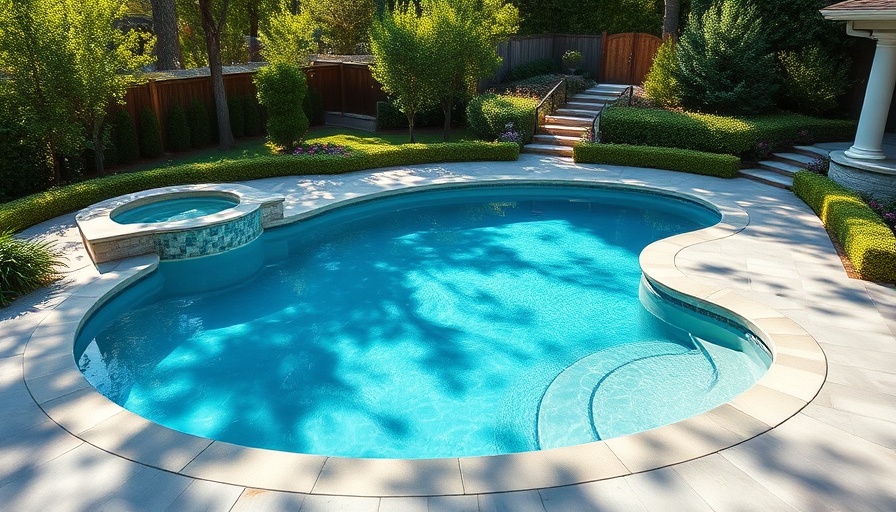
876 107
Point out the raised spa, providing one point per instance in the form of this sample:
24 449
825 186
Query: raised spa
173 209
441 323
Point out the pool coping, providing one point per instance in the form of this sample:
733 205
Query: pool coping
796 375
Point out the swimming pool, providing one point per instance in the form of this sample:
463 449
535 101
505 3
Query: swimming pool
477 303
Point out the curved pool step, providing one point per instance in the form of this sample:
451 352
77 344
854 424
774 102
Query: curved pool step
564 415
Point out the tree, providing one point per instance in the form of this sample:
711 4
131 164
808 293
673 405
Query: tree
32 39
402 44
214 18
344 23
724 63
464 46
164 25
282 88
105 61
67 62
288 38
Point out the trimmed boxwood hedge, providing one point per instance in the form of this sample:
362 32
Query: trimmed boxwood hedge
675 159
27 211
868 242
488 114
715 134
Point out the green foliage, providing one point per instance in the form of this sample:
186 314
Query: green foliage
25 166
715 134
150 135
674 159
572 59
288 38
252 116
402 45
724 63
178 129
813 80
30 210
281 89
660 85
868 242
533 68
313 106
25 265
343 23
488 114
232 38
236 109
590 17
123 136
389 117
200 124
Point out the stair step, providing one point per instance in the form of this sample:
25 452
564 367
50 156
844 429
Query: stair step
779 167
798 159
811 151
594 98
560 129
584 122
772 178
556 140
547 149
579 105
576 112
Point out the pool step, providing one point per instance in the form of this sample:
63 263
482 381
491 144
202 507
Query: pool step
565 415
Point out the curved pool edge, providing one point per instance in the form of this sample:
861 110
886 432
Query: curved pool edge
797 372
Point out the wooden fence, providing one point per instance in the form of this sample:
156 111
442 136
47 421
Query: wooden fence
525 49
347 88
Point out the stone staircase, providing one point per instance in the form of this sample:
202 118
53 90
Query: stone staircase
779 169
564 128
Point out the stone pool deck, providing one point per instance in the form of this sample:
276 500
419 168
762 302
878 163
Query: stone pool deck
837 453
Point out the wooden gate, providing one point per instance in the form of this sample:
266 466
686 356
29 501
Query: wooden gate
627 57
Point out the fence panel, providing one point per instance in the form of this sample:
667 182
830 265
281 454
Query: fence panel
521 50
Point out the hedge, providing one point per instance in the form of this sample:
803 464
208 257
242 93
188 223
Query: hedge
27 211
716 134
868 242
674 159
488 114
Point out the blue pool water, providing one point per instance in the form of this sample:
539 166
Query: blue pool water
168 210
450 323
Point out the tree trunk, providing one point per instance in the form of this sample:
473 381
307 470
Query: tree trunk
164 24
213 46
254 48
670 19
447 107
98 151
411 126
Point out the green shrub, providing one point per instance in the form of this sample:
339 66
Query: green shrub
674 159
200 124
27 211
253 121
577 84
389 117
25 165
25 265
572 59
150 135
488 114
715 134
281 89
660 85
533 68
313 106
178 129
813 81
724 64
236 109
868 242
123 137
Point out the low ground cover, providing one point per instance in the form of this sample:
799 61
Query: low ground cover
866 239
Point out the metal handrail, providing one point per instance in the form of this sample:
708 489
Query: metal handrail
551 95
595 123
